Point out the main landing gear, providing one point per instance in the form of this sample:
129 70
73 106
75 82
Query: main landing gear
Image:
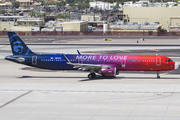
91 75
158 74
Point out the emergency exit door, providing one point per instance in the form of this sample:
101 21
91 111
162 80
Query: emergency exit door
123 63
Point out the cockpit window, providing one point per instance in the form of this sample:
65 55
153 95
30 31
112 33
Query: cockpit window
169 60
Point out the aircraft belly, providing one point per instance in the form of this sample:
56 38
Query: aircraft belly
140 67
55 66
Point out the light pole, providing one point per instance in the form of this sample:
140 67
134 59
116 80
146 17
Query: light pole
14 7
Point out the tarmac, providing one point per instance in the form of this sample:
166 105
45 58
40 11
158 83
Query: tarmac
96 39
28 93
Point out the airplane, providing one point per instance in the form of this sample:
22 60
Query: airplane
105 65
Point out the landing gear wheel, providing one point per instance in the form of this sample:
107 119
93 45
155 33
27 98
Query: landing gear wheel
93 74
158 76
90 76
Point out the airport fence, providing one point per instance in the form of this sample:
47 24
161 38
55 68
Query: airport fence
92 33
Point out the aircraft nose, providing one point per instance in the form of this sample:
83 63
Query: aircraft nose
176 66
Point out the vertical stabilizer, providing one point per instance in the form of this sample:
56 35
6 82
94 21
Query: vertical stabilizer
17 45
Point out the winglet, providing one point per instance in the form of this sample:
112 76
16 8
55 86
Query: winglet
67 60
78 52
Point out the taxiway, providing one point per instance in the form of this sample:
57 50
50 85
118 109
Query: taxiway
27 93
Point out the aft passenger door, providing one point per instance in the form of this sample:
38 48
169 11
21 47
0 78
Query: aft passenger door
34 60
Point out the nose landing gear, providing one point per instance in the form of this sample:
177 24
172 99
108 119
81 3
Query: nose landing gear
158 76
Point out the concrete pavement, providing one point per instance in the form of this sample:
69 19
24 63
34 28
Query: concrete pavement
27 93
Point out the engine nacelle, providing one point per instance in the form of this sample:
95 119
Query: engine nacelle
108 71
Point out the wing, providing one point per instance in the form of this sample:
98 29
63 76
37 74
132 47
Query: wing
84 66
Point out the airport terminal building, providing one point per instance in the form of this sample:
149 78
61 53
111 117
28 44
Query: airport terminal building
169 17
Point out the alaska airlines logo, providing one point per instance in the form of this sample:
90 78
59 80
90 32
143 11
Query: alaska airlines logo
18 47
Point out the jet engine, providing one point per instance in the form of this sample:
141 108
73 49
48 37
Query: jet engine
108 71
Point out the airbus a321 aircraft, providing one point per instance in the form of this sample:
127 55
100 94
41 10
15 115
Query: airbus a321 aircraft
106 65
